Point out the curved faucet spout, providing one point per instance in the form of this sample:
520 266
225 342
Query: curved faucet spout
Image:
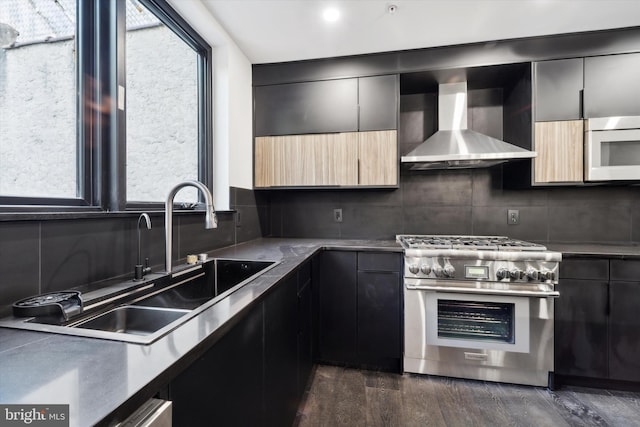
210 219
140 270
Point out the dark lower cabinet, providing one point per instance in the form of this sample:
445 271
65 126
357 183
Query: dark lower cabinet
581 328
359 309
256 373
281 354
597 327
337 297
624 331
305 327
224 387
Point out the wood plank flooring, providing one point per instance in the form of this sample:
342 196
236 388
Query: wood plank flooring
350 397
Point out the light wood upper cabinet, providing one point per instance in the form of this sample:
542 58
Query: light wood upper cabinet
348 159
307 160
378 156
560 151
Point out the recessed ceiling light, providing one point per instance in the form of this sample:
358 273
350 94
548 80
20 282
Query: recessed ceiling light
331 14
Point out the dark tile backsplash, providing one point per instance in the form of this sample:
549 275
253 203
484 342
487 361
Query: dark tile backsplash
42 256
469 201
52 255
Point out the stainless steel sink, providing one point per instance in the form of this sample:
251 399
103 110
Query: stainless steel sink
154 308
133 320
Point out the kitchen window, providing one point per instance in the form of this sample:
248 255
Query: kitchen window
37 100
113 111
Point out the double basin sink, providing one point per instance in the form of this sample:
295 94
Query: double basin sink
151 311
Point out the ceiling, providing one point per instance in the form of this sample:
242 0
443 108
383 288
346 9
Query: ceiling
288 30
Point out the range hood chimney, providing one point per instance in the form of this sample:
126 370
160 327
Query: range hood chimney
454 146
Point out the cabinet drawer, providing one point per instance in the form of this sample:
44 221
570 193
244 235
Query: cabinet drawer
626 270
585 268
376 261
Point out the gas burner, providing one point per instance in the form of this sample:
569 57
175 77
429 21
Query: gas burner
467 242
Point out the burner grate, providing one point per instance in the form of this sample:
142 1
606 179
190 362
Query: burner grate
467 242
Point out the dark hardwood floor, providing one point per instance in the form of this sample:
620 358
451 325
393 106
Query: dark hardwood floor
351 397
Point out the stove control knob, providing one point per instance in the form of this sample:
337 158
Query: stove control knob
414 269
516 274
502 273
449 271
438 270
547 275
426 269
533 274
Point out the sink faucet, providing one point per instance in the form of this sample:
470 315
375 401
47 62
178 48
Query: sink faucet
139 270
210 219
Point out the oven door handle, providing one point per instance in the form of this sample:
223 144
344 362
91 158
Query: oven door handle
506 292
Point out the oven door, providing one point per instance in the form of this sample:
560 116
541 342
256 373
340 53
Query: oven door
612 155
502 338
477 321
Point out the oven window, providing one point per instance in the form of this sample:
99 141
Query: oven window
620 153
478 321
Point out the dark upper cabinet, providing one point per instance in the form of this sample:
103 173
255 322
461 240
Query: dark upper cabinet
558 89
310 107
378 101
612 86
343 105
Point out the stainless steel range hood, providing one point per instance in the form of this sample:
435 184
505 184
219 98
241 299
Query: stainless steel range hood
454 146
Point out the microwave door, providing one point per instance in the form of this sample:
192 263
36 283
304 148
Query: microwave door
613 155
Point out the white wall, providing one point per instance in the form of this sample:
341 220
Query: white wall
232 121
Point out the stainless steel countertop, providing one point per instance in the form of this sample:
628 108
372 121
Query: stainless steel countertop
96 376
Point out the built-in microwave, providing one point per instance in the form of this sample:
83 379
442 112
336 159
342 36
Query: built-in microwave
612 149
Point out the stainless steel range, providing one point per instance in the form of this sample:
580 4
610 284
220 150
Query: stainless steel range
479 307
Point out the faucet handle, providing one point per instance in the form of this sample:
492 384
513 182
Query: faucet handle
146 268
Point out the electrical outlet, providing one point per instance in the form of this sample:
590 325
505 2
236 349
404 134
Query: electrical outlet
513 216
337 215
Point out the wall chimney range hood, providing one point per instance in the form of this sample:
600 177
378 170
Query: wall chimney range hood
454 146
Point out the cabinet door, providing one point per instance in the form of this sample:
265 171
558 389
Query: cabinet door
378 316
224 387
581 328
281 354
560 151
557 89
612 86
306 160
378 102
624 331
303 108
378 158
337 307
305 326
